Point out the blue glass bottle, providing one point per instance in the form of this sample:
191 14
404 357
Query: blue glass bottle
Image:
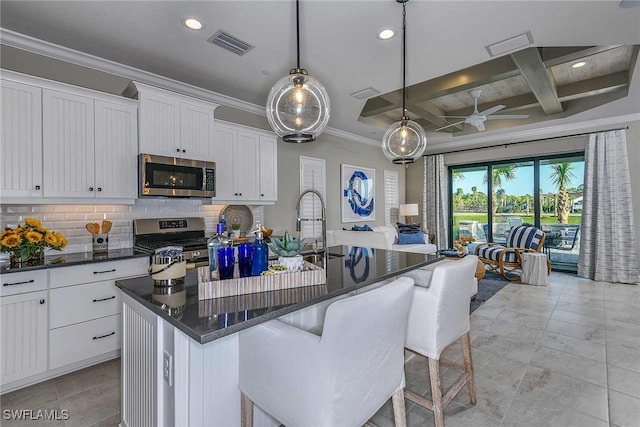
260 255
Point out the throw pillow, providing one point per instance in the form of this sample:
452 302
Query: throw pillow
363 228
410 238
408 228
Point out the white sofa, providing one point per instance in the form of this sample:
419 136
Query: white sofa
382 237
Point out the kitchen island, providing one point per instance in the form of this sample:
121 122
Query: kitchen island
180 355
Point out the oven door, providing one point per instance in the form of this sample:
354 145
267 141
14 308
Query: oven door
173 177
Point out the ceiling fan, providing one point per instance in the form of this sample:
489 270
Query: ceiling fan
476 119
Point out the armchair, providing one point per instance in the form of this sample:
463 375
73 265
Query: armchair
506 259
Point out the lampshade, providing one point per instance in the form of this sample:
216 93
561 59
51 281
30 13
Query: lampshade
409 209
405 140
298 105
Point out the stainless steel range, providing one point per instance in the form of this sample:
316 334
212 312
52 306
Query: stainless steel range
154 233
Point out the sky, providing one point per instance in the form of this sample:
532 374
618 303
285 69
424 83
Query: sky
523 182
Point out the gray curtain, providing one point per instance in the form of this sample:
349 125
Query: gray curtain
434 200
607 247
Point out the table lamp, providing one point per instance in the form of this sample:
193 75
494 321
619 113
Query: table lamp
408 211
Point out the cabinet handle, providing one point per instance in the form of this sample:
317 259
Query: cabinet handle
42 301
18 283
104 299
37 187
99 188
177 150
90 188
104 336
105 271
261 195
184 151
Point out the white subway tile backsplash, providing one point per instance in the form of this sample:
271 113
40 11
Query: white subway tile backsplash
70 220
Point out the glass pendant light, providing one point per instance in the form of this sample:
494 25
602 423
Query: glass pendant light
405 140
298 104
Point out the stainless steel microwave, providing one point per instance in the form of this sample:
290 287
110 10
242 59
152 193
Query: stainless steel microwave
174 177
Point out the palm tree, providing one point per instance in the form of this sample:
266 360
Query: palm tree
497 174
458 198
474 189
561 176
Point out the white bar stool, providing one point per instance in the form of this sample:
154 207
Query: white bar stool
342 376
438 316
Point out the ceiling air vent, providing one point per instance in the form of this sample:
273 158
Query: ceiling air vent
230 43
365 93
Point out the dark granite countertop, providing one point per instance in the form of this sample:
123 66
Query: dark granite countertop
348 269
66 260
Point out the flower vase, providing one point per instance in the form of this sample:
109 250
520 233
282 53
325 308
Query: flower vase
35 258
293 263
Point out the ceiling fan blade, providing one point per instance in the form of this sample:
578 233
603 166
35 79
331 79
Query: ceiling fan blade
453 117
448 126
508 116
492 110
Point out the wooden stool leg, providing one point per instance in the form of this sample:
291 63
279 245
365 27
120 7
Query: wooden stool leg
246 411
399 412
468 366
436 391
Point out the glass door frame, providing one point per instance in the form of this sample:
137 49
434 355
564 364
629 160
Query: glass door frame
489 165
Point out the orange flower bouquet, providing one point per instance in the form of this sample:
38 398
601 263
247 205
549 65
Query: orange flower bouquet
461 244
28 242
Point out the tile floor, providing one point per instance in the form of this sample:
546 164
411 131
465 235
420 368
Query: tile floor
563 355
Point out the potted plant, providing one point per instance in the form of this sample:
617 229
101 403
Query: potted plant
288 248
28 242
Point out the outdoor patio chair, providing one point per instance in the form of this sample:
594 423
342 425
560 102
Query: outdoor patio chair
506 259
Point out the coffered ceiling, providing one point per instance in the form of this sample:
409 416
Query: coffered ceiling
447 55
539 82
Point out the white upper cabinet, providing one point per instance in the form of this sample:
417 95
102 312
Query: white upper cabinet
89 146
68 144
61 143
20 140
174 125
116 152
268 168
246 164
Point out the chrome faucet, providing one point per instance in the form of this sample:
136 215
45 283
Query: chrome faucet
323 219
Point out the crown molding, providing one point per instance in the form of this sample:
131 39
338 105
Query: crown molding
41 47
531 134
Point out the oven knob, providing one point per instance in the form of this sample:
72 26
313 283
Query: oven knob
195 254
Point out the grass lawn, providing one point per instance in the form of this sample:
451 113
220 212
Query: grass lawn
527 219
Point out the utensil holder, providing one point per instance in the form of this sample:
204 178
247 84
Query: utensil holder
100 243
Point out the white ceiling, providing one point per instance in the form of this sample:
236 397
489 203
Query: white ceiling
338 39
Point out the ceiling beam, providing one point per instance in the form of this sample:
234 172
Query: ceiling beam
542 84
594 86
429 112
559 55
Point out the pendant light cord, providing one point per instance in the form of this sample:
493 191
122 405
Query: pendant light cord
404 58
298 32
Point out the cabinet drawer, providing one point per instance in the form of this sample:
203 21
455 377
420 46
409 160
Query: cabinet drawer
84 340
96 272
19 283
79 303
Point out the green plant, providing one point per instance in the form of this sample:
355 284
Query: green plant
288 246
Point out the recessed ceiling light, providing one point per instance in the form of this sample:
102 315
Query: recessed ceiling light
386 34
579 64
193 24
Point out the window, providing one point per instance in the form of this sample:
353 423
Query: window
391 197
486 209
312 176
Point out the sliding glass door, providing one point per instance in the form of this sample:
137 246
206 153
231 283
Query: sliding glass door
488 199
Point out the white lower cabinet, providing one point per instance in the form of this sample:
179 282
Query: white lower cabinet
23 335
84 340
62 319
84 319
